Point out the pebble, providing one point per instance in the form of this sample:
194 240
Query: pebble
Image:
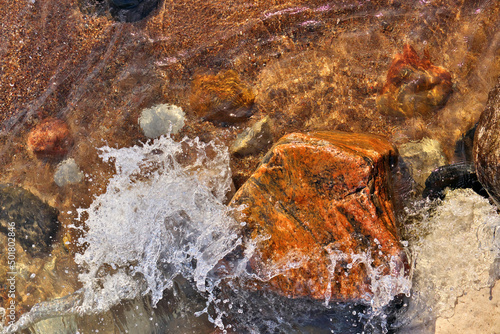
422 158
50 139
161 119
254 139
67 172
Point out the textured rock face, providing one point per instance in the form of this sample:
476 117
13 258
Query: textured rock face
50 138
320 211
487 145
36 222
221 99
422 158
414 86
254 139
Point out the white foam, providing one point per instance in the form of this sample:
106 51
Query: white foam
162 215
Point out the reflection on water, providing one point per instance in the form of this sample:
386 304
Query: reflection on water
146 225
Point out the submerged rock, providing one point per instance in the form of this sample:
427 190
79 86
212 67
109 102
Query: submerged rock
131 10
465 145
161 119
35 221
120 10
222 99
67 172
455 176
254 139
50 139
414 86
319 210
487 146
422 158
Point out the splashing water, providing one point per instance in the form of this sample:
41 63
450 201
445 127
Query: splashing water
162 215
457 247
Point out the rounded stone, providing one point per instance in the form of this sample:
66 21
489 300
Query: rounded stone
161 119
35 222
50 138
254 139
67 172
414 86
222 99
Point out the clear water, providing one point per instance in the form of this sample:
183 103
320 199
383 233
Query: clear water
151 220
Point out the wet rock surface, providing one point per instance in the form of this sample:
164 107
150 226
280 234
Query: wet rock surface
455 176
414 86
222 99
317 205
119 10
315 65
161 119
422 158
487 145
255 139
50 139
67 172
36 223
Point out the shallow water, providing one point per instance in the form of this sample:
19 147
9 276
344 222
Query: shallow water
144 230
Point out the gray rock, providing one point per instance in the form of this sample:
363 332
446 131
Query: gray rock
67 172
254 139
422 158
161 119
35 221
487 145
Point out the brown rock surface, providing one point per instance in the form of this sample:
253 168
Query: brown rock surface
414 86
487 145
221 98
50 138
319 207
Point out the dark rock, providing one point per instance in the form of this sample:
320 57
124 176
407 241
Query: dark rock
487 145
131 10
35 221
455 176
316 202
465 145
120 10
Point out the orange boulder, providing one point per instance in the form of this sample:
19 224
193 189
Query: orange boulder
414 86
319 211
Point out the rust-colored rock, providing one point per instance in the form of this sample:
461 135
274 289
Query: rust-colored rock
319 207
414 86
222 99
487 145
50 138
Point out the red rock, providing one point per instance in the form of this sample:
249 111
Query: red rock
316 203
414 86
50 138
222 98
